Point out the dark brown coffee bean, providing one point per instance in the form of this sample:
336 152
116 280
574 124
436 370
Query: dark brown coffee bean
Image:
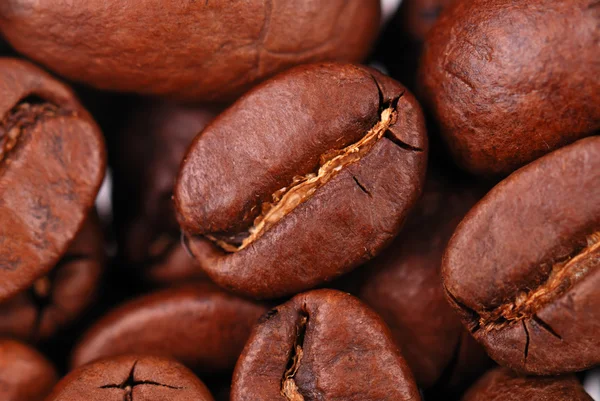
216 49
201 326
322 345
131 378
57 299
523 267
25 375
502 384
51 166
146 161
405 287
510 81
302 179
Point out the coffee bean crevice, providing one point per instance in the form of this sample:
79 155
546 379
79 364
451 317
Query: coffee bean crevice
289 388
563 276
24 115
286 199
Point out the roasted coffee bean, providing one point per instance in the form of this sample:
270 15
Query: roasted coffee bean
200 325
57 299
503 384
301 180
322 345
25 375
146 157
131 378
405 287
523 267
510 81
194 50
51 166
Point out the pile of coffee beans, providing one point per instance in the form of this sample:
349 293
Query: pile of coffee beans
271 200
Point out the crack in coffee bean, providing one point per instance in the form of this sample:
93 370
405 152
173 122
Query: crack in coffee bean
40 298
40 292
130 383
302 188
289 389
25 115
546 326
527 339
563 276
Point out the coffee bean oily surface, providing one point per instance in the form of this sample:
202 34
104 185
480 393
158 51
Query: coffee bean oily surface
503 384
193 50
404 286
51 166
510 81
25 375
131 378
148 154
302 179
322 345
57 299
523 267
200 325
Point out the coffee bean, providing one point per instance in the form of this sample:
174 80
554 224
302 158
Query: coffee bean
302 179
25 375
51 166
322 345
523 267
146 157
405 287
131 378
199 325
217 49
510 81
57 299
503 384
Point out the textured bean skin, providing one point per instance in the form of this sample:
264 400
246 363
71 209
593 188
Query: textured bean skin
348 353
199 325
404 286
25 375
510 81
523 267
131 377
281 130
502 384
216 49
48 179
61 297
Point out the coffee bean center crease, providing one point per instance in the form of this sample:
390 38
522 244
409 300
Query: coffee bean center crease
130 383
563 276
289 389
302 188
21 117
